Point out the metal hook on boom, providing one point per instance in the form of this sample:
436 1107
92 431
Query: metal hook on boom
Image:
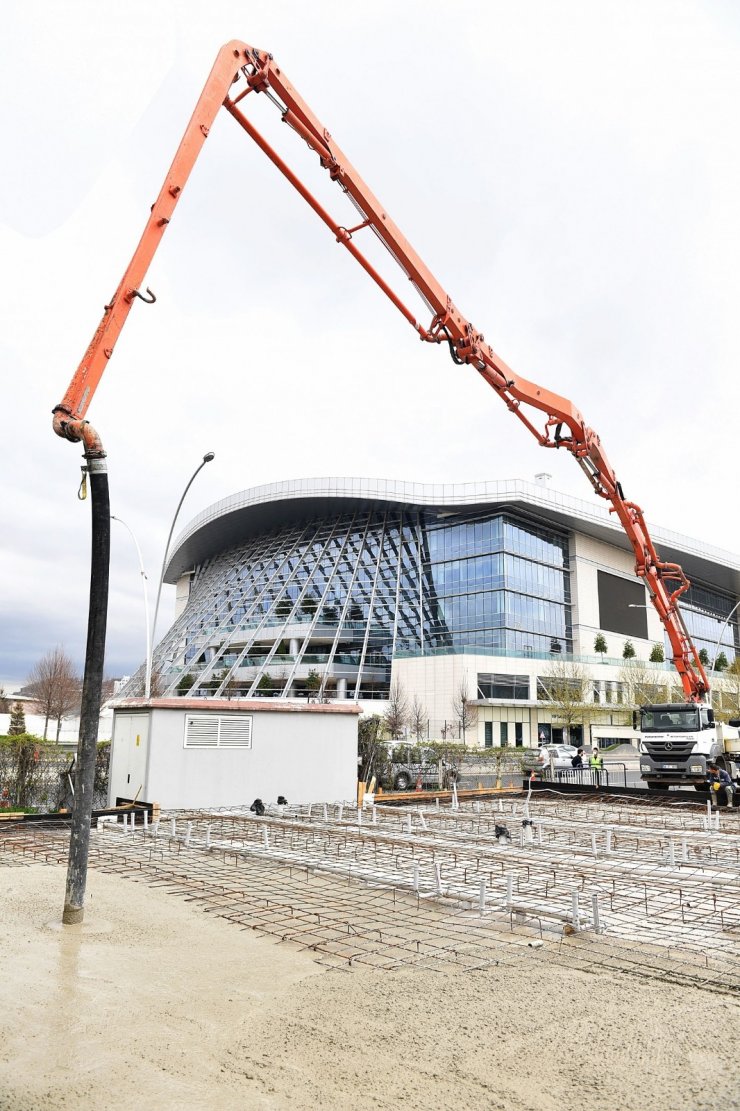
147 300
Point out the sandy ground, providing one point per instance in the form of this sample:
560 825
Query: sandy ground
153 1003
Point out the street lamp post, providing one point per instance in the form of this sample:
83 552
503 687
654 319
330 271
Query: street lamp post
206 459
725 623
145 591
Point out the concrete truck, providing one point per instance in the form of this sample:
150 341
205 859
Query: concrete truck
677 741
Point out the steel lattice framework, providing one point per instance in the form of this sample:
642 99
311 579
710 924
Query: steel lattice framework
322 603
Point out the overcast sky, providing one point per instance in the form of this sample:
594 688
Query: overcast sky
568 171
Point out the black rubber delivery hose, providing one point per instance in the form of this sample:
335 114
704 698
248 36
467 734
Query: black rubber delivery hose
92 685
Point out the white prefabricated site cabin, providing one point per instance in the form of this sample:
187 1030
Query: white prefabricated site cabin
189 752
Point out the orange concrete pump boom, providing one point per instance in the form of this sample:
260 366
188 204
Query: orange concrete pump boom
240 70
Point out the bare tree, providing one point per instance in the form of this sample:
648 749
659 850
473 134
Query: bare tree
466 714
56 685
397 715
235 688
156 683
67 701
4 702
642 685
328 689
726 692
418 718
108 689
566 686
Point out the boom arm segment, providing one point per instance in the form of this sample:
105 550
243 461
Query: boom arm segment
240 70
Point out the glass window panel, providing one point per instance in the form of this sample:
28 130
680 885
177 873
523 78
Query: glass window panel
503 686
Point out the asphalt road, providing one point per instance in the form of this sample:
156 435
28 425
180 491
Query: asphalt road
619 773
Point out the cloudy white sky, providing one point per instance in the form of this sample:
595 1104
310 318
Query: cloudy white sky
568 171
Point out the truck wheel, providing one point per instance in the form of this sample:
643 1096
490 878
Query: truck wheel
653 785
701 787
402 782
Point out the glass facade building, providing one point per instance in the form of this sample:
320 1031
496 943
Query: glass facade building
706 613
323 603
312 588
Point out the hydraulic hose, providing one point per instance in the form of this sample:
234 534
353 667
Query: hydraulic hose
91 690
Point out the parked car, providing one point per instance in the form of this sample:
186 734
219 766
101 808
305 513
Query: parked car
538 759
407 775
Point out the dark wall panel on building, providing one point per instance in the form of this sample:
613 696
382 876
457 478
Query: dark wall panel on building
616 595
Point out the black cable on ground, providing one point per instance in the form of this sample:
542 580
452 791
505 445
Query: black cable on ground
92 685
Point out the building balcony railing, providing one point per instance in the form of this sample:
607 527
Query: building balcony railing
280 662
283 629
527 654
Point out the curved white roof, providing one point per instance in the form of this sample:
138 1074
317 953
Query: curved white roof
228 522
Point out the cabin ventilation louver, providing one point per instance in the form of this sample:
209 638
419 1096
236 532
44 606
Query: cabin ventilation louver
235 732
210 731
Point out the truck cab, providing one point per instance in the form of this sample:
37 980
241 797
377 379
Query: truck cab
677 741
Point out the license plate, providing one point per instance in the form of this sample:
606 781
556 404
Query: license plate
671 767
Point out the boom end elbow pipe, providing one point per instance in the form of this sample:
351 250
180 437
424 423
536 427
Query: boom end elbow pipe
78 431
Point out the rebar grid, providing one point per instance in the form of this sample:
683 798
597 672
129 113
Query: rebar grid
619 886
